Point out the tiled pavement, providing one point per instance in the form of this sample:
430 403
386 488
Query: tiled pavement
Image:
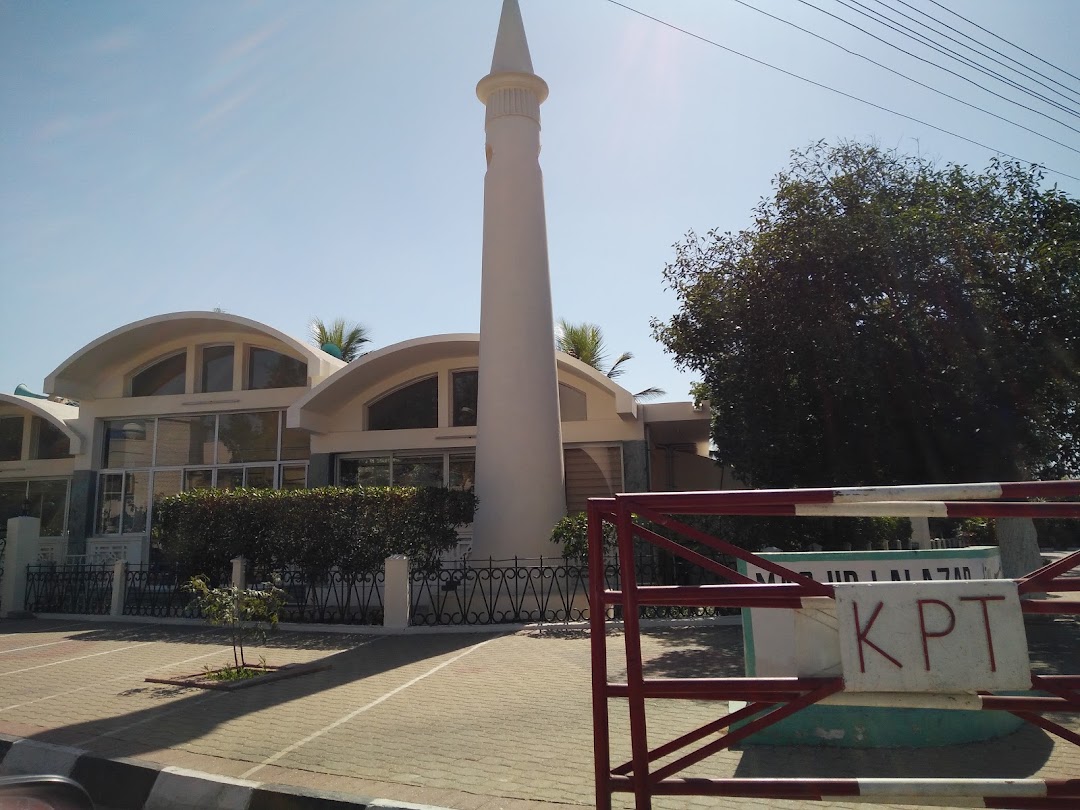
467 721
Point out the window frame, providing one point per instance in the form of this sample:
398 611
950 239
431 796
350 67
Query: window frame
129 380
397 390
153 469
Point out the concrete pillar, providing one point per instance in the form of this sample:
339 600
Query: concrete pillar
320 470
21 551
396 593
635 459
119 588
239 572
920 532
81 510
519 460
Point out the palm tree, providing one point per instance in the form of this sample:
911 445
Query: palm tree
585 341
342 335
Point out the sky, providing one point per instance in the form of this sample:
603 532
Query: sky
284 159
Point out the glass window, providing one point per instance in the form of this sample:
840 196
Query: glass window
294 477
464 387
111 488
163 377
11 433
230 478
47 440
166 483
198 479
414 406
248 437
462 471
136 501
295 444
217 369
183 440
259 477
48 501
364 472
571 404
12 495
128 443
418 471
270 369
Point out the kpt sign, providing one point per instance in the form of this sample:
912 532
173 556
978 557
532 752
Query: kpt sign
954 636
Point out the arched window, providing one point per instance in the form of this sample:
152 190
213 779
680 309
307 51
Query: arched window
166 376
413 406
269 369
47 440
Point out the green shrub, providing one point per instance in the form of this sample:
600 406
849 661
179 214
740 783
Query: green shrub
354 528
572 533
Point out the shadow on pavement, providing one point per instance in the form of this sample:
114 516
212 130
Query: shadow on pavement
200 712
1019 754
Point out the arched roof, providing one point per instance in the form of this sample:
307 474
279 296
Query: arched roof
55 413
333 393
77 376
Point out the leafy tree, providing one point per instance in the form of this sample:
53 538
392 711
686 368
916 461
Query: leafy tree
585 341
887 321
348 337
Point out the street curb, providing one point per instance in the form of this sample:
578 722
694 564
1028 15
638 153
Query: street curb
132 784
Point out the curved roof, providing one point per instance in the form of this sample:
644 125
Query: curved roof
77 376
342 387
55 413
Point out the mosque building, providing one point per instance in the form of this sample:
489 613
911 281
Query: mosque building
189 400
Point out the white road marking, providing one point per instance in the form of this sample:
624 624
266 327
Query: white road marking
340 721
218 651
77 658
35 646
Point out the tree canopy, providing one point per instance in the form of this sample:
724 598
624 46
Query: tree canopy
885 320
348 337
585 342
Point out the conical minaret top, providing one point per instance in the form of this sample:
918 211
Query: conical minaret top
511 67
511 45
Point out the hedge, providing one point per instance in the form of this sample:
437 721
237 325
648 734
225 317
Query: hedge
353 529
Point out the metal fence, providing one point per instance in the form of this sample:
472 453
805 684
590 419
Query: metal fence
52 588
333 597
545 590
159 591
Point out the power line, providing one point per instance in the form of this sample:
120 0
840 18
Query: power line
992 49
974 50
905 76
1007 42
945 50
932 63
763 63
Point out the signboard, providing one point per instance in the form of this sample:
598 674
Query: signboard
783 643
932 636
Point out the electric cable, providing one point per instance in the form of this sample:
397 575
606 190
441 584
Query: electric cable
763 63
992 49
905 76
909 32
935 64
1007 42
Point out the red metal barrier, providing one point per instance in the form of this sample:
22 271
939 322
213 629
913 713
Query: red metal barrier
772 699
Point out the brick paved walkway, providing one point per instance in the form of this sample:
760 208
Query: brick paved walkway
467 721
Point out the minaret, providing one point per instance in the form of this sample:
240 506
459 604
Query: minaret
519 461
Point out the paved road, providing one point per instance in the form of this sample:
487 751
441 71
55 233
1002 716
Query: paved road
468 721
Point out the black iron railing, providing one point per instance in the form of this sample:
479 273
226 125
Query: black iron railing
52 588
546 590
159 591
333 597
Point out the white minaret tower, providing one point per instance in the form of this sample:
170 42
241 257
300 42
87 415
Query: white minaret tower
519 461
